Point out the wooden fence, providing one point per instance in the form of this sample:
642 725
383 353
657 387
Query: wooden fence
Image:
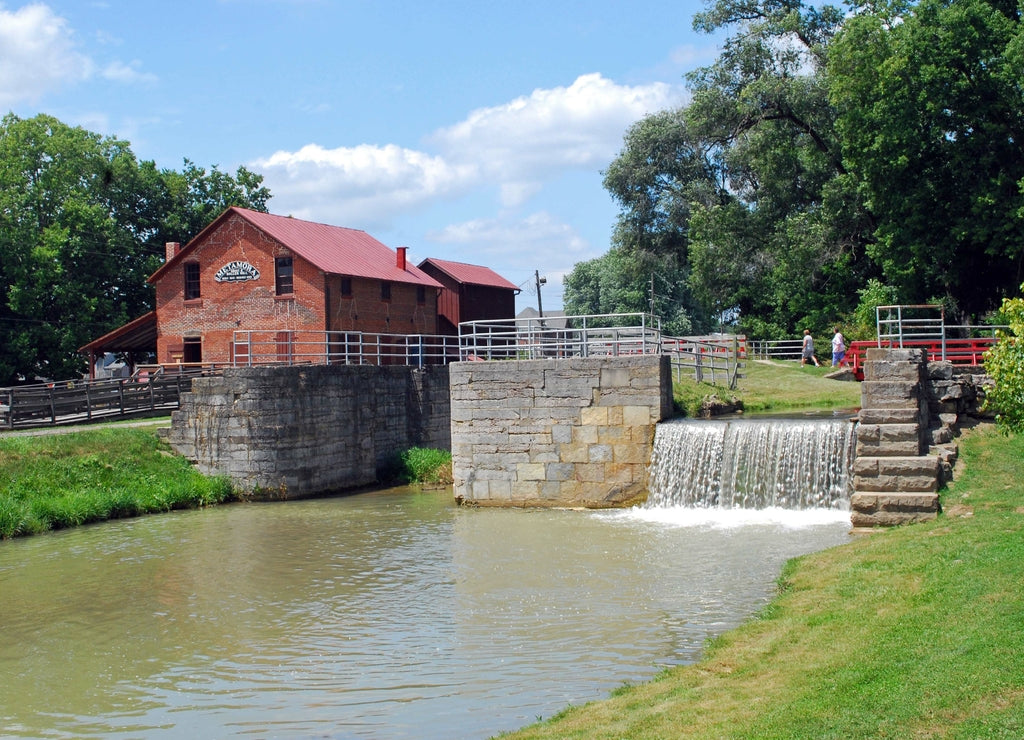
716 359
82 401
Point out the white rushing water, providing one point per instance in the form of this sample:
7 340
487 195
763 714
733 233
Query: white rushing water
752 464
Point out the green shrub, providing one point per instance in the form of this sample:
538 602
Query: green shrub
424 465
1005 363
872 295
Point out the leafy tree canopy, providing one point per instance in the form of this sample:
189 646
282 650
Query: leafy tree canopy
625 282
827 153
746 187
82 225
929 105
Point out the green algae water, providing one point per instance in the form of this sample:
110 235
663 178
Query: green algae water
391 614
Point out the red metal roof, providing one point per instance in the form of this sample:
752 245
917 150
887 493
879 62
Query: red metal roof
333 249
471 274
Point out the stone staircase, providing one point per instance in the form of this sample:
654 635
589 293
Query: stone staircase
896 476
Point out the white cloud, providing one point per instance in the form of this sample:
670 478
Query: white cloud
580 126
37 54
538 231
363 184
515 247
120 72
511 149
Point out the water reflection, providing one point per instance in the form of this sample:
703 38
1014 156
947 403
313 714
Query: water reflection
385 615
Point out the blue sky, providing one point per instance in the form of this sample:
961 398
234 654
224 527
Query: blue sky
470 131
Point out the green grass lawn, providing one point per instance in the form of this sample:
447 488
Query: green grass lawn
913 632
770 385
63 480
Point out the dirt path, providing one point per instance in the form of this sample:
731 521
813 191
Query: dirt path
163 421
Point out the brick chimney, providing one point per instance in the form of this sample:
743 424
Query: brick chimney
401 257
172 249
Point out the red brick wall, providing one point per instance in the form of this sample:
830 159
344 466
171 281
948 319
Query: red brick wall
225 307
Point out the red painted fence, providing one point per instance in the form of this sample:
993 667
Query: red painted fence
960 352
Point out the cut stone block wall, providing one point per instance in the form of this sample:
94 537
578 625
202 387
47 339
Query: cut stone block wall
291 432
568 432
895 478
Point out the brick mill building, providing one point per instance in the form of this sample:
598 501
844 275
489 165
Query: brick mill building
252 277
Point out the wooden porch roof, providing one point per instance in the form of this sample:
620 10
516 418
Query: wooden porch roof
138 335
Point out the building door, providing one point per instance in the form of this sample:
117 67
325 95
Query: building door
285 348
192 350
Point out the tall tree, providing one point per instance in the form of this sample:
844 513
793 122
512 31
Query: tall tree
786 247
660 172
931 113
621 281
82 225
744 189
197 197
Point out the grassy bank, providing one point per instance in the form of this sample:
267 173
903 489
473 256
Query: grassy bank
64 480
769 385
909 632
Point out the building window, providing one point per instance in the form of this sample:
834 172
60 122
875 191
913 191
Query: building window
346 287
385 291
421 295
191 281
283 275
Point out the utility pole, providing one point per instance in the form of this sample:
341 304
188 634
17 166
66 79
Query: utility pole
540 281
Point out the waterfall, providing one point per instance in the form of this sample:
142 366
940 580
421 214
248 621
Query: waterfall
752 464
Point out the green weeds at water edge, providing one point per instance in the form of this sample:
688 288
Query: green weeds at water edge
425 465
65 480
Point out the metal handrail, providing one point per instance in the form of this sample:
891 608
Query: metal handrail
900 330
589 335
896 328
282 347
765 349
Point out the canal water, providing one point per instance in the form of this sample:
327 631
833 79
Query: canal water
391 614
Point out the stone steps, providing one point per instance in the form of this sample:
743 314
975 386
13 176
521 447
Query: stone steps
895 477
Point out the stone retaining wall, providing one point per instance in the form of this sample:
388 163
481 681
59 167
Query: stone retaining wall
569 432
290 432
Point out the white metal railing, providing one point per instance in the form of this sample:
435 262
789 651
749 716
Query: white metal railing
270 347
592 335
925 324
897 325
717 357
775 349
